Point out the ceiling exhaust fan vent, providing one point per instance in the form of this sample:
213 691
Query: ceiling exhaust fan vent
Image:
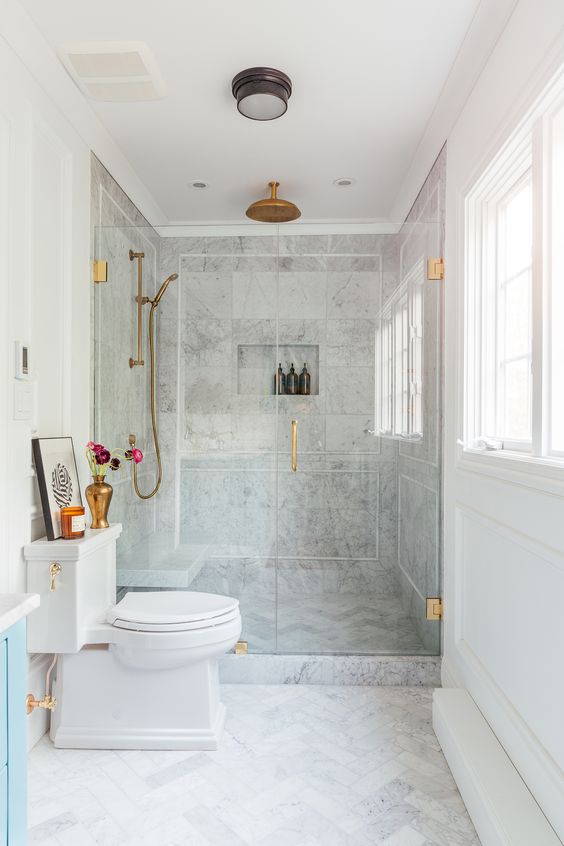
112 71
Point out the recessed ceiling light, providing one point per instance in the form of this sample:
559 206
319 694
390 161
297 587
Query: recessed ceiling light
199 183
344 181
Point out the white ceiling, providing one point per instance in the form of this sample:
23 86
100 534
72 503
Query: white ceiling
367 75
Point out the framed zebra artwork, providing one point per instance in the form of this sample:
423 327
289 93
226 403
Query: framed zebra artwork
57 476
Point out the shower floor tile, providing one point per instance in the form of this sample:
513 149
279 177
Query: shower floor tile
298 766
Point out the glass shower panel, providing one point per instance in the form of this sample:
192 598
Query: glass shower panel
350 561
120 403
227 423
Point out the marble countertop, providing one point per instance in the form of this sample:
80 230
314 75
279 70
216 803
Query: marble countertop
14 606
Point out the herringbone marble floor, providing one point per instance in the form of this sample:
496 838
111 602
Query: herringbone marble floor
298 766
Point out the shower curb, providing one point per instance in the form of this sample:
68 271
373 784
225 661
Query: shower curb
393 670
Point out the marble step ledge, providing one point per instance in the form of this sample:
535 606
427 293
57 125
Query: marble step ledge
404 670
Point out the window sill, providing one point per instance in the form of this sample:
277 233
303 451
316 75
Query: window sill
542 474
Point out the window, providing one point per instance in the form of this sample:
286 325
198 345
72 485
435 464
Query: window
514 296
399 361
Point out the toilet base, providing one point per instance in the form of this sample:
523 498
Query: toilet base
204 740
102 703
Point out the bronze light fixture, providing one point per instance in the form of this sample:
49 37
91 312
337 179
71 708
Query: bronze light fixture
273 209
262 93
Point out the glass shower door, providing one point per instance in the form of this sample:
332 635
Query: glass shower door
228 489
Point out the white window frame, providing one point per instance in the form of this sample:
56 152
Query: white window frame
398 412
529 146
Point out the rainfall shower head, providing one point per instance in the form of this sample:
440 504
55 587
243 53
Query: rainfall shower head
163 288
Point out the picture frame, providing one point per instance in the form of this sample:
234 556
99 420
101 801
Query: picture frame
57 475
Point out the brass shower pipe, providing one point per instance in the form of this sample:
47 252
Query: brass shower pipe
141 301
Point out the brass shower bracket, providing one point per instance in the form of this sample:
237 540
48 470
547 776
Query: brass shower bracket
141 301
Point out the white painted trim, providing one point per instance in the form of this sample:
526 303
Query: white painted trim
487 25
502 809
27 42
237 229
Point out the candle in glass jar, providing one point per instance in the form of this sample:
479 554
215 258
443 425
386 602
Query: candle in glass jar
73 522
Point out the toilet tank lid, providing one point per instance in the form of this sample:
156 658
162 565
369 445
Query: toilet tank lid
170 606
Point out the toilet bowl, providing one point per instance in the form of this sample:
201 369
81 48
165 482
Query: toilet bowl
139 674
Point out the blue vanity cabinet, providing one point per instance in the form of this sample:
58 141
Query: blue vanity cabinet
13 743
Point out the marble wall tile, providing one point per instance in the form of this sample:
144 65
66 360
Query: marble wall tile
291 264
350 390
354 264
349 433
255 245
254 294
357 244
207 390
206 341
252 264
311 433
352 294
418 535
207 432
350 342
253 432
303 294
312 576
303 244
206 295
253 582
210 245
222 265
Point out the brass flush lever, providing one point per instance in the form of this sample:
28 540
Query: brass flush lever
54 571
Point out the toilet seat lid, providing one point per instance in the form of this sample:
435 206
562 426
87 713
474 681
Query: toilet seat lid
171 607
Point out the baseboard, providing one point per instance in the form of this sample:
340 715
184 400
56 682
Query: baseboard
38 720
502 808
65 737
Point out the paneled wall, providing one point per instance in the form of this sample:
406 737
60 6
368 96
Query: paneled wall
504 538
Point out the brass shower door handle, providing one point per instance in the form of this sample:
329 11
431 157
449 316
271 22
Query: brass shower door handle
294 445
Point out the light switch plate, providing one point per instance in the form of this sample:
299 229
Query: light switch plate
24 400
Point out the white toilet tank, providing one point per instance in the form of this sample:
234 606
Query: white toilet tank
77 596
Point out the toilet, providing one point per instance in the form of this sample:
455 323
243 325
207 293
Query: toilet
138 674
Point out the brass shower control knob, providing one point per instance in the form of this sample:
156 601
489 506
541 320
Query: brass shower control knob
48 702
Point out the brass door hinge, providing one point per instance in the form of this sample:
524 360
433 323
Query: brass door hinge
99 271
434 608
241 647
435 268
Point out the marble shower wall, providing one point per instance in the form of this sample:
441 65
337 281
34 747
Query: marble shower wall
419 464
323 539
121 394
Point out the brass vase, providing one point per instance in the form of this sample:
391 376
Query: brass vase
99 496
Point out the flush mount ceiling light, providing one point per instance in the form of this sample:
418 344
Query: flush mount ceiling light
262 93
344 182
273 209
199 184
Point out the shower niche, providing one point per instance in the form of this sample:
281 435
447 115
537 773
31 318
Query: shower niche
257 364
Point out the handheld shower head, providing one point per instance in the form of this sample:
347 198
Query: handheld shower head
163 288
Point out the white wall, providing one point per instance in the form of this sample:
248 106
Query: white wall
44 277
504 529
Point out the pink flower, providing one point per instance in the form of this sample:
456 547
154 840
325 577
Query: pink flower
90 445
98 448
102 456
137 455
